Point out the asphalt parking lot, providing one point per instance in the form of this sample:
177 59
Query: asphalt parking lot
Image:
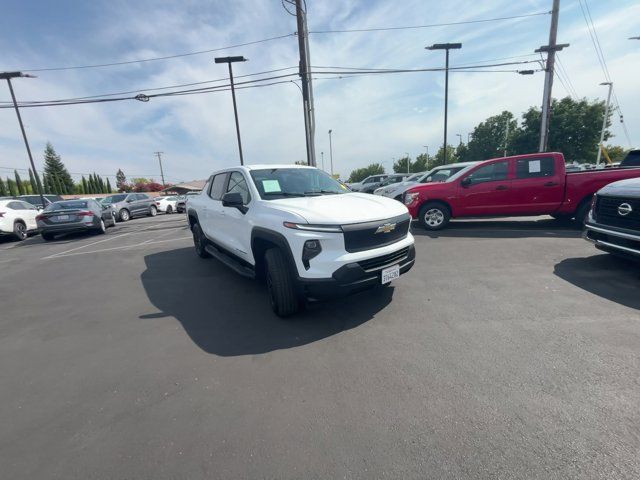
511 350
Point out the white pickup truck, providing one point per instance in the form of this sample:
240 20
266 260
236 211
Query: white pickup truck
302 231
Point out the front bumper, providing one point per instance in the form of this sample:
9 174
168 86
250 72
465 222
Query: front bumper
354 277
613 240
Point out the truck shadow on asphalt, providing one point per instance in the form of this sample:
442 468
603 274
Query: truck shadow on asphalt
501 229
228 315
605 275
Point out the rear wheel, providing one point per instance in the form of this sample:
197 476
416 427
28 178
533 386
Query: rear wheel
282 294
19 230
153 211
169 209
124 215
102 228
199 241
434 216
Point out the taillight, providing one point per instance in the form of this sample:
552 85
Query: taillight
158 203
40 217
84 213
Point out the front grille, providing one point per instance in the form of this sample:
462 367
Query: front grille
362 236
378 263
606 212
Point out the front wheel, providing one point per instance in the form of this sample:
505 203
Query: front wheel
153 211
20 231
124 215
169 210
434 216
282 295
199 241
102 228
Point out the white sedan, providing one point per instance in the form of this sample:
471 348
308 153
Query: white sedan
166 204
17 218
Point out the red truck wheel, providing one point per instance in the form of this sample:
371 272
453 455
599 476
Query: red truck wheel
434 216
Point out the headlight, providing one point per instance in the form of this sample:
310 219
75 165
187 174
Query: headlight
410 197
314 228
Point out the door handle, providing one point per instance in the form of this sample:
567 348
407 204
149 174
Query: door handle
502 187
550 184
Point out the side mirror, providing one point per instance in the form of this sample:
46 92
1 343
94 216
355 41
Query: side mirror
106 206
129 200
466 182
234 200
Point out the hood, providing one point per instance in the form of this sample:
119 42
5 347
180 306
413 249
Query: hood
340 209
630 186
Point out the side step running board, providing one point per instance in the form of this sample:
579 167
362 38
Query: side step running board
230 262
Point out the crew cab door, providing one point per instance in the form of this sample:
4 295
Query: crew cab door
538 186
237 235
486 190
210 209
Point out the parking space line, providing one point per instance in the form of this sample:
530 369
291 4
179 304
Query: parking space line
122 247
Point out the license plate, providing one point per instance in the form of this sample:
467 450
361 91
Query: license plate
390 273
63 217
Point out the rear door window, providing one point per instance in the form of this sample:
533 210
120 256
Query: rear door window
535 167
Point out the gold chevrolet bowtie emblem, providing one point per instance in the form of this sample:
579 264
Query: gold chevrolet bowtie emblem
386 228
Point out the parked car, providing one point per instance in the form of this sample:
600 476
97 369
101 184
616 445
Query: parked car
390 180
613 222
181 204
17 218
130 205
166 204
371 181
534 184
301 230
437 174
632 159
36 201
69 216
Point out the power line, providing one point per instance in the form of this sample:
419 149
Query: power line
431 25
565 73
153 59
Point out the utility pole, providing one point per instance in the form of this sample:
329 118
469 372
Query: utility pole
551 50
408 161
446 47
159 155
229 61
331 152
604 121
506 137
307 88
8 76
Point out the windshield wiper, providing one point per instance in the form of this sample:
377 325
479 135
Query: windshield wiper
286 194
321 192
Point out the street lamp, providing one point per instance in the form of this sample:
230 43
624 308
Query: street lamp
634 38
8 76
446 47
604 121
322 157
408 161
229 61
459 135
331 151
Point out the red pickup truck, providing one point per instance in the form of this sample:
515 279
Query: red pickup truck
534 184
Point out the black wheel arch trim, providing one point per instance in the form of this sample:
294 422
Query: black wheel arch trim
278 239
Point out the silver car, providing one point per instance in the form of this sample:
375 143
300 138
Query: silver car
130 205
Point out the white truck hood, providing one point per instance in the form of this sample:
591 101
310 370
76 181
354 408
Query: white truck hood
340 209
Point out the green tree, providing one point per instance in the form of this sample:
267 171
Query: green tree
103 187
574 129
3 188
420 164
400 165
53 166
32 182
462 152
58 187
109 189
362 173
616 153
19 185
451 156
11 187
121 181
85 186
488 140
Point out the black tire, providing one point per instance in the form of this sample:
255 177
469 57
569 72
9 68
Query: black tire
398 198
169 209
124 215
102 228
282 294
199 241
20 230
47 237
153 211
434 216
561 217
581 213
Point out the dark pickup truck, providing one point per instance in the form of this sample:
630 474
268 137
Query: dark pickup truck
613 223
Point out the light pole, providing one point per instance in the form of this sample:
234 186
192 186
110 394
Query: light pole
322 157
331 151
8 76
229 61
604 121
408 161
446 47
159 155
459 135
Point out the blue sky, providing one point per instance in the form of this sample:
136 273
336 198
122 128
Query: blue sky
373 118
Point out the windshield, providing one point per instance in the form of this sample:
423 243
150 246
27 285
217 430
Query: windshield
414 177
70 205
460 173
295 182
114 198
